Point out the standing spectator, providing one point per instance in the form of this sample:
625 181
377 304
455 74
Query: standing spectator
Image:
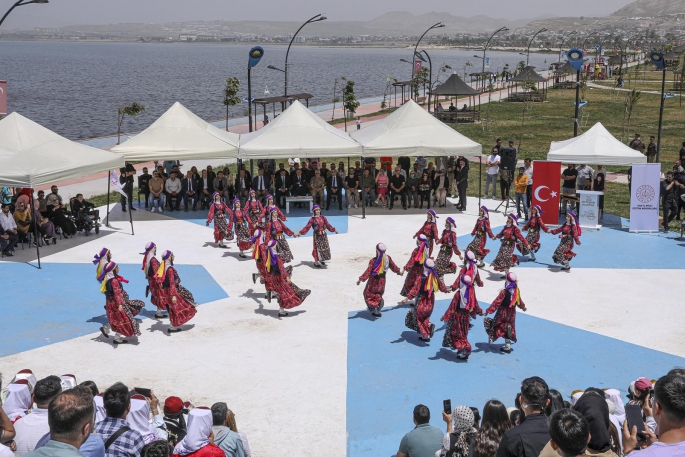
143 187
529 438
261 185
669 195
120 440
334 188
205 189
126 174
325 172
369 186
569 432
316 187
228 440
451 180
282 184
156 185
422 163
189 189
220 185
598 186
651 150
495 423
359 123
520 185
169 166
405 163
440 188
462 183
211 174
397 188
268 174
424 440
584 173
459 441
568 188
352 189
528 170
638 144
425 188
174 189
492 163
32 427
498 145
412 190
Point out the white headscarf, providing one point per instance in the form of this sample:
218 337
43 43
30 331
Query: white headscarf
465 283
575 397
100 413
68 381
138 418
149 255
199 428
28 375
614 396
18 401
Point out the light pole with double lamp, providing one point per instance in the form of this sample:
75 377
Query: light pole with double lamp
21 3
487 43
434 26
657 59
530 43
317 18
563 40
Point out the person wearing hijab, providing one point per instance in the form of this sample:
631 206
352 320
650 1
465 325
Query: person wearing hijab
223 220
18 402
459 441
319 223
198 440
458 314
504 308
139 415
100 260
481 232
288 294
430 230
100 412
570 233
180 302
534 225
121 310
154 287
509 235
619 415
414 268
375 275
418 319
448 246
275 230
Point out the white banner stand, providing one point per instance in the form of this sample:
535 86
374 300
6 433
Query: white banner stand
588 214
645 197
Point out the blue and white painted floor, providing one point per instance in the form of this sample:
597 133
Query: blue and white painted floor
348 381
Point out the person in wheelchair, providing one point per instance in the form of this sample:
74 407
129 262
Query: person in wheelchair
84 212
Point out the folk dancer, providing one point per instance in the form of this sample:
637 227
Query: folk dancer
121 310
319 223
223 220
471 268
448 246
154 287
241 227
375 275
504 308
509 235
275 230
430 230
268 207
481 232
418 319
180 302
414 268
458 314
100 260
288 294
570 232
258 241
533 226
254 209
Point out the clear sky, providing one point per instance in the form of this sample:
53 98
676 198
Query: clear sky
69 12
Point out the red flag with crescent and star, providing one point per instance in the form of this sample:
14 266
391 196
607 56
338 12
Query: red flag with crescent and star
546 185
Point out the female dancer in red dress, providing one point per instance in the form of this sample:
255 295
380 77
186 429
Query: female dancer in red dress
268 207
258 241
448 242
154 287
319 223
457 316
100 260
241 227
180 301
471 269
504 307
289 295
418 319
375 274
415 269
254 208
570 232
430 230
275 230
534 226
481 231
505 257
121 310
223 220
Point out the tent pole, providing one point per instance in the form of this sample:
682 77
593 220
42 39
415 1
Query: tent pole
35 228
109 183
130 205
363 193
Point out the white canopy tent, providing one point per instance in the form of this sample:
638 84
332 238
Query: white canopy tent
411 131
595 147
179 134
297 132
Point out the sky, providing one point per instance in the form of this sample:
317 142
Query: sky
59 13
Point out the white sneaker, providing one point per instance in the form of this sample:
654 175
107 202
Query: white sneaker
161 209
356 206
152 210
349 206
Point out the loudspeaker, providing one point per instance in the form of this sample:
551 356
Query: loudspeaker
508 159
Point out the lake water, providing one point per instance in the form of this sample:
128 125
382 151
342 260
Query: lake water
76 88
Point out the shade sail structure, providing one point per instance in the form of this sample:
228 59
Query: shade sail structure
595 147
32 156
180 134
411 131
455 86
297 132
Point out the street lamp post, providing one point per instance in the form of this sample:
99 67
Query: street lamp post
531 42
582 47
316 18
485 48
434 26
657 59
563 40
21 3
430 78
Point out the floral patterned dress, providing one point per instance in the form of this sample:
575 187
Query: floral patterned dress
157 295
122 321
505 257
254 210
289 295
418 318
322 250
413 281
533 226
430 230
275 230
223 221
504 323
242 229
375 287
457 319
180 302
481 231
569 235
448 247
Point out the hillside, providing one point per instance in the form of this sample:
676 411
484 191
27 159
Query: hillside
651 8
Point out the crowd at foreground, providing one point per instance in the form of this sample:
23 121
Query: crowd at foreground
57 417
543 424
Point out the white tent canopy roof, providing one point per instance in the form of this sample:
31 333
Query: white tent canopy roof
179 134
411 131
595 147
298 132
32 156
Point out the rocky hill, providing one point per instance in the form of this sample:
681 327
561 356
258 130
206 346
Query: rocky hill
651 8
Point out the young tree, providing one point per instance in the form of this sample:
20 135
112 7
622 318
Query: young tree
132 110
335 97
521 65
350 102
231 95
630 102
384 103
467 65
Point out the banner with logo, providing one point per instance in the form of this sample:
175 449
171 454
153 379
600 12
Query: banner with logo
3 98
546 184
114 182
417 66
644 197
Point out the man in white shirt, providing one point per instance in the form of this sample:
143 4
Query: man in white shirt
173 186
261 184
528 171
7 221
32 427
492 164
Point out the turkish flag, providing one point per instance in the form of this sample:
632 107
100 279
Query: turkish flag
546 179
3 98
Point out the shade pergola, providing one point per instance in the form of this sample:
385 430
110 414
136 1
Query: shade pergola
527 75
597 146
179 134
402 85
454 87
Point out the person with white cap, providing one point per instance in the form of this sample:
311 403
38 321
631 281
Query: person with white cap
448 246
534 225
481 231
121 311
180 302
504 308
375 275
418 319
509 235
570 232
154 287
414 268
319 224
430 230
457 318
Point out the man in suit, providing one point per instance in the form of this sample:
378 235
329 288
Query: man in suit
269 174
334 185
242 186
143 187
205 189
282 185
221 185
299 185
260 184
189 191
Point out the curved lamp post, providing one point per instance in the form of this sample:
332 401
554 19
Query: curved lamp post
21 3
485 48
316 18
434 26
531 42
582 46
563 40
657 59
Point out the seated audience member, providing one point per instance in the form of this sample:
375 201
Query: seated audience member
58 213
261 185
23 220
156 185
352 189
18 401
233 425
31 428
368 183
299 184
424 440
117 405
412 190
143 187
282 185
228 440
205 189
159 448
464 108
220 185
174 190
459 440
42 203
189 189
80 206
316 186
334 186
197 443
452 108
569 432
6 435
8 238
174 421
139 415
242 186
7 221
